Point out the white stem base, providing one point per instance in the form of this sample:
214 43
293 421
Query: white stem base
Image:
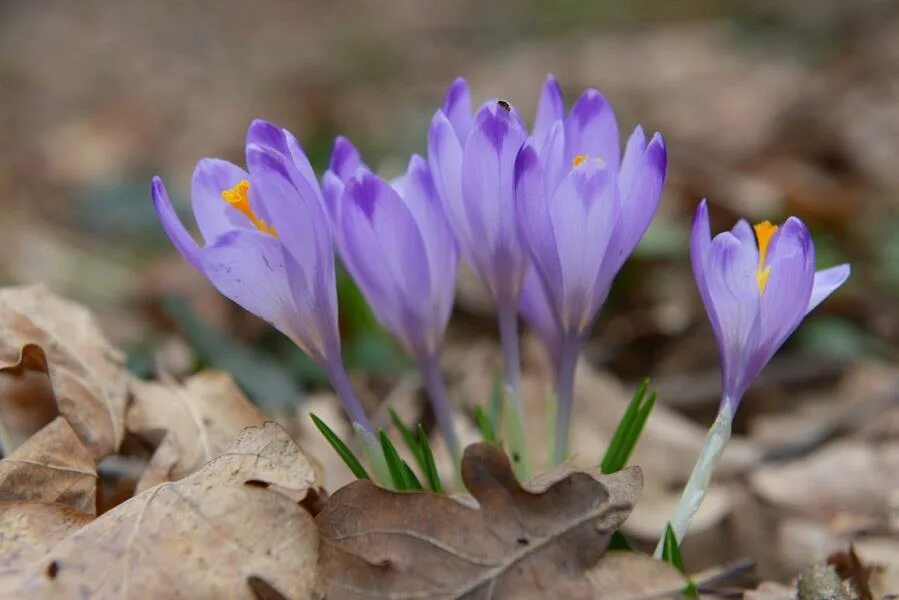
698 484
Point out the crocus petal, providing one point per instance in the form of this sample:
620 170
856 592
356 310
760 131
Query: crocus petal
552 158
345 158
550 108
743 232
445 161
488 196
295 210
214 216
420 196
457 108
791 258
265 134
584 213
332 190
172 225
538 314
591 129
826 282
383 250
314 291
247 266
645 169
535 225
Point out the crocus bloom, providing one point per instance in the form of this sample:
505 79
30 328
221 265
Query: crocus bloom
757 284
582 209
472 161
397 245
267 245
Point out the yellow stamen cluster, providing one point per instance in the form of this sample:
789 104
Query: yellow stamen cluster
578 159
764 231
239 198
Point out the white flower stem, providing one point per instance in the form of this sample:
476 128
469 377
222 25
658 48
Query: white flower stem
698 484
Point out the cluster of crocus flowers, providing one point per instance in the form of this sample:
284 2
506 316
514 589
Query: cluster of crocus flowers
757 284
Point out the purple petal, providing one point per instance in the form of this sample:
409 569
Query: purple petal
313 287
743 231
267 135
826 282
421 198
538 314
445 161
550 108
457 108
332 190
384 251
295 210
214 216
247 266
640 196
172 225
532 204
591 129
729 273
488 196
785 301
345 158
584 213
552 158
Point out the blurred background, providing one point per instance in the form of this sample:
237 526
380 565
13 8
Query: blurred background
768 108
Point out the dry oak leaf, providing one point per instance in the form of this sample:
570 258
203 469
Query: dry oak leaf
623 575
29 530
190 424
517 544
204 536
52 466
87 374
26 398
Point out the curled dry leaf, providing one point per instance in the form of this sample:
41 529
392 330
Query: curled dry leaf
52 466
518 543
190 424
87 374
26 398
204 536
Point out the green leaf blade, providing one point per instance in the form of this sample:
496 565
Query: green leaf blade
671 554
430 467
341 448
626 435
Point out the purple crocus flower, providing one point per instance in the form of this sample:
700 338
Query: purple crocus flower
472 161
267 245
757 284
582 209
396 243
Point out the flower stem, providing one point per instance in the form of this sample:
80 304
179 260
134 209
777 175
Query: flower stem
341 384
567 364
698 484
513 412
433 379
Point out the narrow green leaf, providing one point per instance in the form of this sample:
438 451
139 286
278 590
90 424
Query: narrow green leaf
408 437
394 462
409 479
619 542
341 448
671 554
483 421
626 435
429 467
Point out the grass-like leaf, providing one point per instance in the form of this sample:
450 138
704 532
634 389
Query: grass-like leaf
429 466
484 424
408 437
341 448
402 476
619 542
629 429
671 554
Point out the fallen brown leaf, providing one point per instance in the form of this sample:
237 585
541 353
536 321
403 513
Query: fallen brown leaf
771 590
26 398
621 575
518 543
203 536
880 558
52 466
29 530
87 375
190 423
